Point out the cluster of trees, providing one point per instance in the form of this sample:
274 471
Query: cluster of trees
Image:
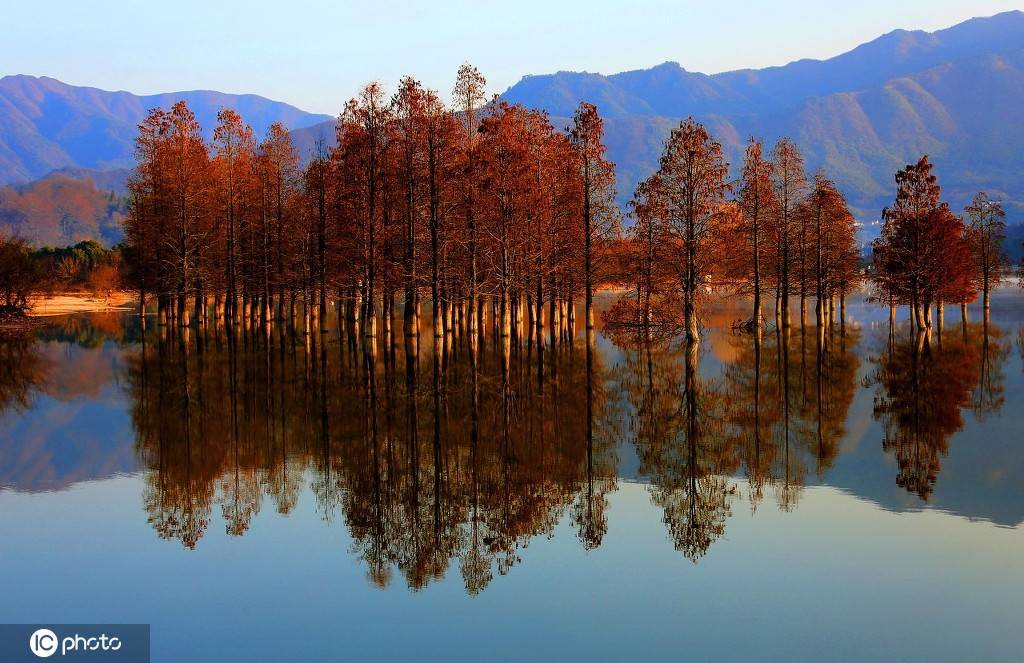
928 256
484 205
781 232
25 271
487 210
86 265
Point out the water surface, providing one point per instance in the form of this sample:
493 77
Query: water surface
845 495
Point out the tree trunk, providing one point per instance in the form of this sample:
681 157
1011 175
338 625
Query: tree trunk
506 321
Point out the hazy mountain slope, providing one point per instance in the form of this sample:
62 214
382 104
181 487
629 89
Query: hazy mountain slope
46 124
59 209
668 89
954 94
305 138
115 180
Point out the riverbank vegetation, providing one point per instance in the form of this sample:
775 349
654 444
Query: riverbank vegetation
27 273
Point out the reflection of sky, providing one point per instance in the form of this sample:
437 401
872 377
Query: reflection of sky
837 579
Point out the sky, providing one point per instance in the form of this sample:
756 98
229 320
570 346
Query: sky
316 53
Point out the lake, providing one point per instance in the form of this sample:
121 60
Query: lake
854 494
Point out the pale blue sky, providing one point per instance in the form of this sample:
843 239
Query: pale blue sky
315 53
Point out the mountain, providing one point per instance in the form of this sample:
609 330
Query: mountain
305 139
47 125
954 94
66 207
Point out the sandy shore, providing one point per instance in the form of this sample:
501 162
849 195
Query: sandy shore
80 303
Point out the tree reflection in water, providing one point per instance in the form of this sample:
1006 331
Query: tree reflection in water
788 398
23 370
27 358
779 405
430 451
924 381
447 452
677 432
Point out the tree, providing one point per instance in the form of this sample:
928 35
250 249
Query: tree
506 179
789 185
439 134
597 177
279 173
987 232
690 188
408 110
19 274
188 174
103 280
922 254
146 222
234 152
831 248
316 193
364 189
758 205
468 95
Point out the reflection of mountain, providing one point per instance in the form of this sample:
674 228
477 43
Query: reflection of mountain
69 424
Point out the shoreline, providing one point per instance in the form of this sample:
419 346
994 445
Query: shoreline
79 302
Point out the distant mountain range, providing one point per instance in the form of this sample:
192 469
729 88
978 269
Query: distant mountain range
956 94
46 125
66 152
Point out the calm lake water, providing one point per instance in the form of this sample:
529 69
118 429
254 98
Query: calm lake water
854 496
